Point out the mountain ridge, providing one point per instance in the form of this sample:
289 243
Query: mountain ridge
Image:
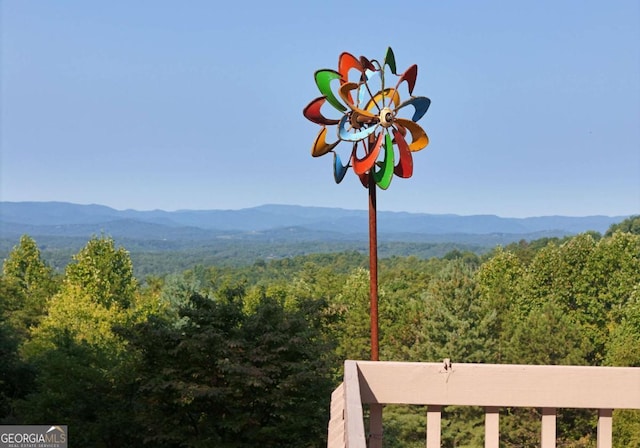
52 218
162 241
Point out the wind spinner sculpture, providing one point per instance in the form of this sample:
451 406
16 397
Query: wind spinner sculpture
371 117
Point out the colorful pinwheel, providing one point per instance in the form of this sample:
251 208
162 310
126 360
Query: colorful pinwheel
371 118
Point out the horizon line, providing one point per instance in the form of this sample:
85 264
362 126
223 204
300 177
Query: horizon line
180 210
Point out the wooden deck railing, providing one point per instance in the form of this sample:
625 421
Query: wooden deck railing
492 386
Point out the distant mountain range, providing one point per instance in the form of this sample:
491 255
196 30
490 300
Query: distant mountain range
161 242
280 223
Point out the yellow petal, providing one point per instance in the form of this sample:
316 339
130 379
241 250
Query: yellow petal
320 146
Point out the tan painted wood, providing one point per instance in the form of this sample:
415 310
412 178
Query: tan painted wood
336 440
434 417
375 426
548 433
336 434
605 428
500 385
489 385
354 423
492 427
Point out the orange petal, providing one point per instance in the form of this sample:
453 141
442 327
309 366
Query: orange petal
346 62
419 138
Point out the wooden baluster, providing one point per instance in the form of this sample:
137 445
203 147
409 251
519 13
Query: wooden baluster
434 415
548 435
491 427
605 427
375 426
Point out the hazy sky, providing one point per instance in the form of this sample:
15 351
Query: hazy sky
171 105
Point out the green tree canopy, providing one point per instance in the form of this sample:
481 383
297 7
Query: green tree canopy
629 225
28 283
220 377
104 272
82 365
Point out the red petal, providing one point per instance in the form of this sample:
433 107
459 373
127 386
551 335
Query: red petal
312 112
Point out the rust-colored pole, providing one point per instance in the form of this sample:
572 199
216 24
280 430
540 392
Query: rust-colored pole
373 267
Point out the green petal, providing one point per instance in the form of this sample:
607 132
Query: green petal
323 81
385 173
390 60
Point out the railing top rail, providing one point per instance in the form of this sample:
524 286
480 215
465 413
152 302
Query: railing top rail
497 385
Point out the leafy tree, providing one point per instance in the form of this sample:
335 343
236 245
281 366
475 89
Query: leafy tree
29 283
75 313
25 266
622 347
612 273
16 376
629 225
97 292
104 272
453 325
25 285
562 308
246 355
86 387
527 250
547 336
622 350
499 293
352 307
447 321
589 280
220 377
80 362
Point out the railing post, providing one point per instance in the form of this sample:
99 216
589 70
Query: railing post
375 425
548 434
354 424
491 427
434 415
605 427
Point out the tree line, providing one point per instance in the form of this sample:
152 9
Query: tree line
240 356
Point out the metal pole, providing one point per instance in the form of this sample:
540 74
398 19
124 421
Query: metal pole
373 267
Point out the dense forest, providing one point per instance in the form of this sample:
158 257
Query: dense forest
247 355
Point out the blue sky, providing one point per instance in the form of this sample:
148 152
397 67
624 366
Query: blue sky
157 104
